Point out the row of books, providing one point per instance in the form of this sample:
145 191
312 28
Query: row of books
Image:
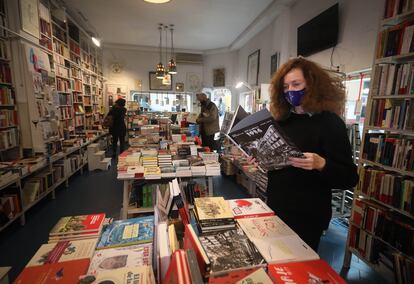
60 48
62 71
3 50
390 113
8 118
65 99
5 73
396 40
45 28
76 85
397 7
6 96
389 150
387 187
10 204
65 112
143 195
62 85
9 138
35 186
393 79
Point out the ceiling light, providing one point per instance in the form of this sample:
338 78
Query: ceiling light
160 67
96 41
172 66
239 84
157 1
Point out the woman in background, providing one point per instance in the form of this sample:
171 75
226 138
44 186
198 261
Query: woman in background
307 103
118 129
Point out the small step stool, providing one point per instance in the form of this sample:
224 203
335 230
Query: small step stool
96 158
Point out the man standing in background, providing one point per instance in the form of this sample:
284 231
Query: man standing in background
208 120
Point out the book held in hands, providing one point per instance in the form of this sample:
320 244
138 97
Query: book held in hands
260 136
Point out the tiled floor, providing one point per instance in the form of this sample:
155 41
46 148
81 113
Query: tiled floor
100 192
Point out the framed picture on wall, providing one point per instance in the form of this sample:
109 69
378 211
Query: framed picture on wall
253 62
219 79
156 84
193 81
116 91
29 12
274 63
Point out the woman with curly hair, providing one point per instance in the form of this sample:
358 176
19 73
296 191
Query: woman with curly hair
306 101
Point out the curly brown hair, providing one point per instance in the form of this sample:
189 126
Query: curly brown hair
323 92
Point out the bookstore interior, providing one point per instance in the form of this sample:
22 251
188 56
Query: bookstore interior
206 141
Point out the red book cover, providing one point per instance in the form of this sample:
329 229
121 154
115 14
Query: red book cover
358 212
78 224
67 272
370 219
314 271
174 273
230 277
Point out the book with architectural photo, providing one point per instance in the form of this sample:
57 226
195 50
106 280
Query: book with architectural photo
260 136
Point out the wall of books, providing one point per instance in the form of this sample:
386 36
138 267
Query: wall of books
382 222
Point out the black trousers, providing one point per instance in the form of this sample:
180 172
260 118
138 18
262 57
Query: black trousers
208 141
115 138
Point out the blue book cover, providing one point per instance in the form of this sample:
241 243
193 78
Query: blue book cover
127 232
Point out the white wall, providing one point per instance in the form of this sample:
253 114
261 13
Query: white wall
137 64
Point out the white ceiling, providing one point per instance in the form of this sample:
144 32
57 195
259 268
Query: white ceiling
199 24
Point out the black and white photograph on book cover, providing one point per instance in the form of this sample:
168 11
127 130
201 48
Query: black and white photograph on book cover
260 136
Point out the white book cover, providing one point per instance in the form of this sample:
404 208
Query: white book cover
258 277
115 258
164 250
249 207
63 251
140 274
275 240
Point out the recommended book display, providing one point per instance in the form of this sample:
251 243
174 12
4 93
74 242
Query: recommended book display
382 219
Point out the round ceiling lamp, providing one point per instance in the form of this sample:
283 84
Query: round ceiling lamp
157 1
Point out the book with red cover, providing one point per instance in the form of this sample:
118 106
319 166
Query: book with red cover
67 272
314 271
78 224
175 272
191 241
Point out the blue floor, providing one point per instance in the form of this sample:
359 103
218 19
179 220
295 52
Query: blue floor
98 191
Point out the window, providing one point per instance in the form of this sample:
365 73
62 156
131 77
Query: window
162 101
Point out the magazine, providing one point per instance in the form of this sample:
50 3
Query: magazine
260 136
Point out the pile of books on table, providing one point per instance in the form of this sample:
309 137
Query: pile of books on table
122 254
213 213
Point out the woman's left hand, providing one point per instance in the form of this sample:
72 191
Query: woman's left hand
311 161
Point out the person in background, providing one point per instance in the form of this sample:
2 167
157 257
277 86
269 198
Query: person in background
118 129
208 120
307 103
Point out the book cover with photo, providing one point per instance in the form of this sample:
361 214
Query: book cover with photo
260 136
230 250
78 224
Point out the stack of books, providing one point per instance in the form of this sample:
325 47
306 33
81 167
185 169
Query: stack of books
213 169
209 156
213 213
77 227
168 172
150 161
152 172
164 158
182 168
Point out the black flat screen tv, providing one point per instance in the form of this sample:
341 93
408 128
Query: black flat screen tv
319 33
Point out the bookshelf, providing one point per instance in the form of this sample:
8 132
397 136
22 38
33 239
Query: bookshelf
382 220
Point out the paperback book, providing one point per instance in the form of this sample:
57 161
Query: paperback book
275 240
123 257
78 224
260 136
139 274
315 271
249 207
230 250
127 232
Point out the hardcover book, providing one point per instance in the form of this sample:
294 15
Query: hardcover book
212 208
127 232
230 277
249 207
275 240
123 257
230 250
260 136
315 271
257 277
61 272
78 224
139 274
63 251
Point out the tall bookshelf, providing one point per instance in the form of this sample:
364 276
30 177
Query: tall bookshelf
381 229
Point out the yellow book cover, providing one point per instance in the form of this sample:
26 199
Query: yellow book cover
152 171
212 208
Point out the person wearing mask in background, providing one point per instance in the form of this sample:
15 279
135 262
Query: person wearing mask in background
306 101
208 120
118 129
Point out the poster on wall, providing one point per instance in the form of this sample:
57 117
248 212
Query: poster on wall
193 81
253 68
219 79
274 63
37 59
116 91
29 11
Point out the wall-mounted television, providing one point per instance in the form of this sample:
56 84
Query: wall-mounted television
319 33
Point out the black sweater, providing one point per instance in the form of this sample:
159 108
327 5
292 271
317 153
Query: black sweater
303 193
118 114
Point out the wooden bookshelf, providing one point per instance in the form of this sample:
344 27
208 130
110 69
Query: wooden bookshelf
390 112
